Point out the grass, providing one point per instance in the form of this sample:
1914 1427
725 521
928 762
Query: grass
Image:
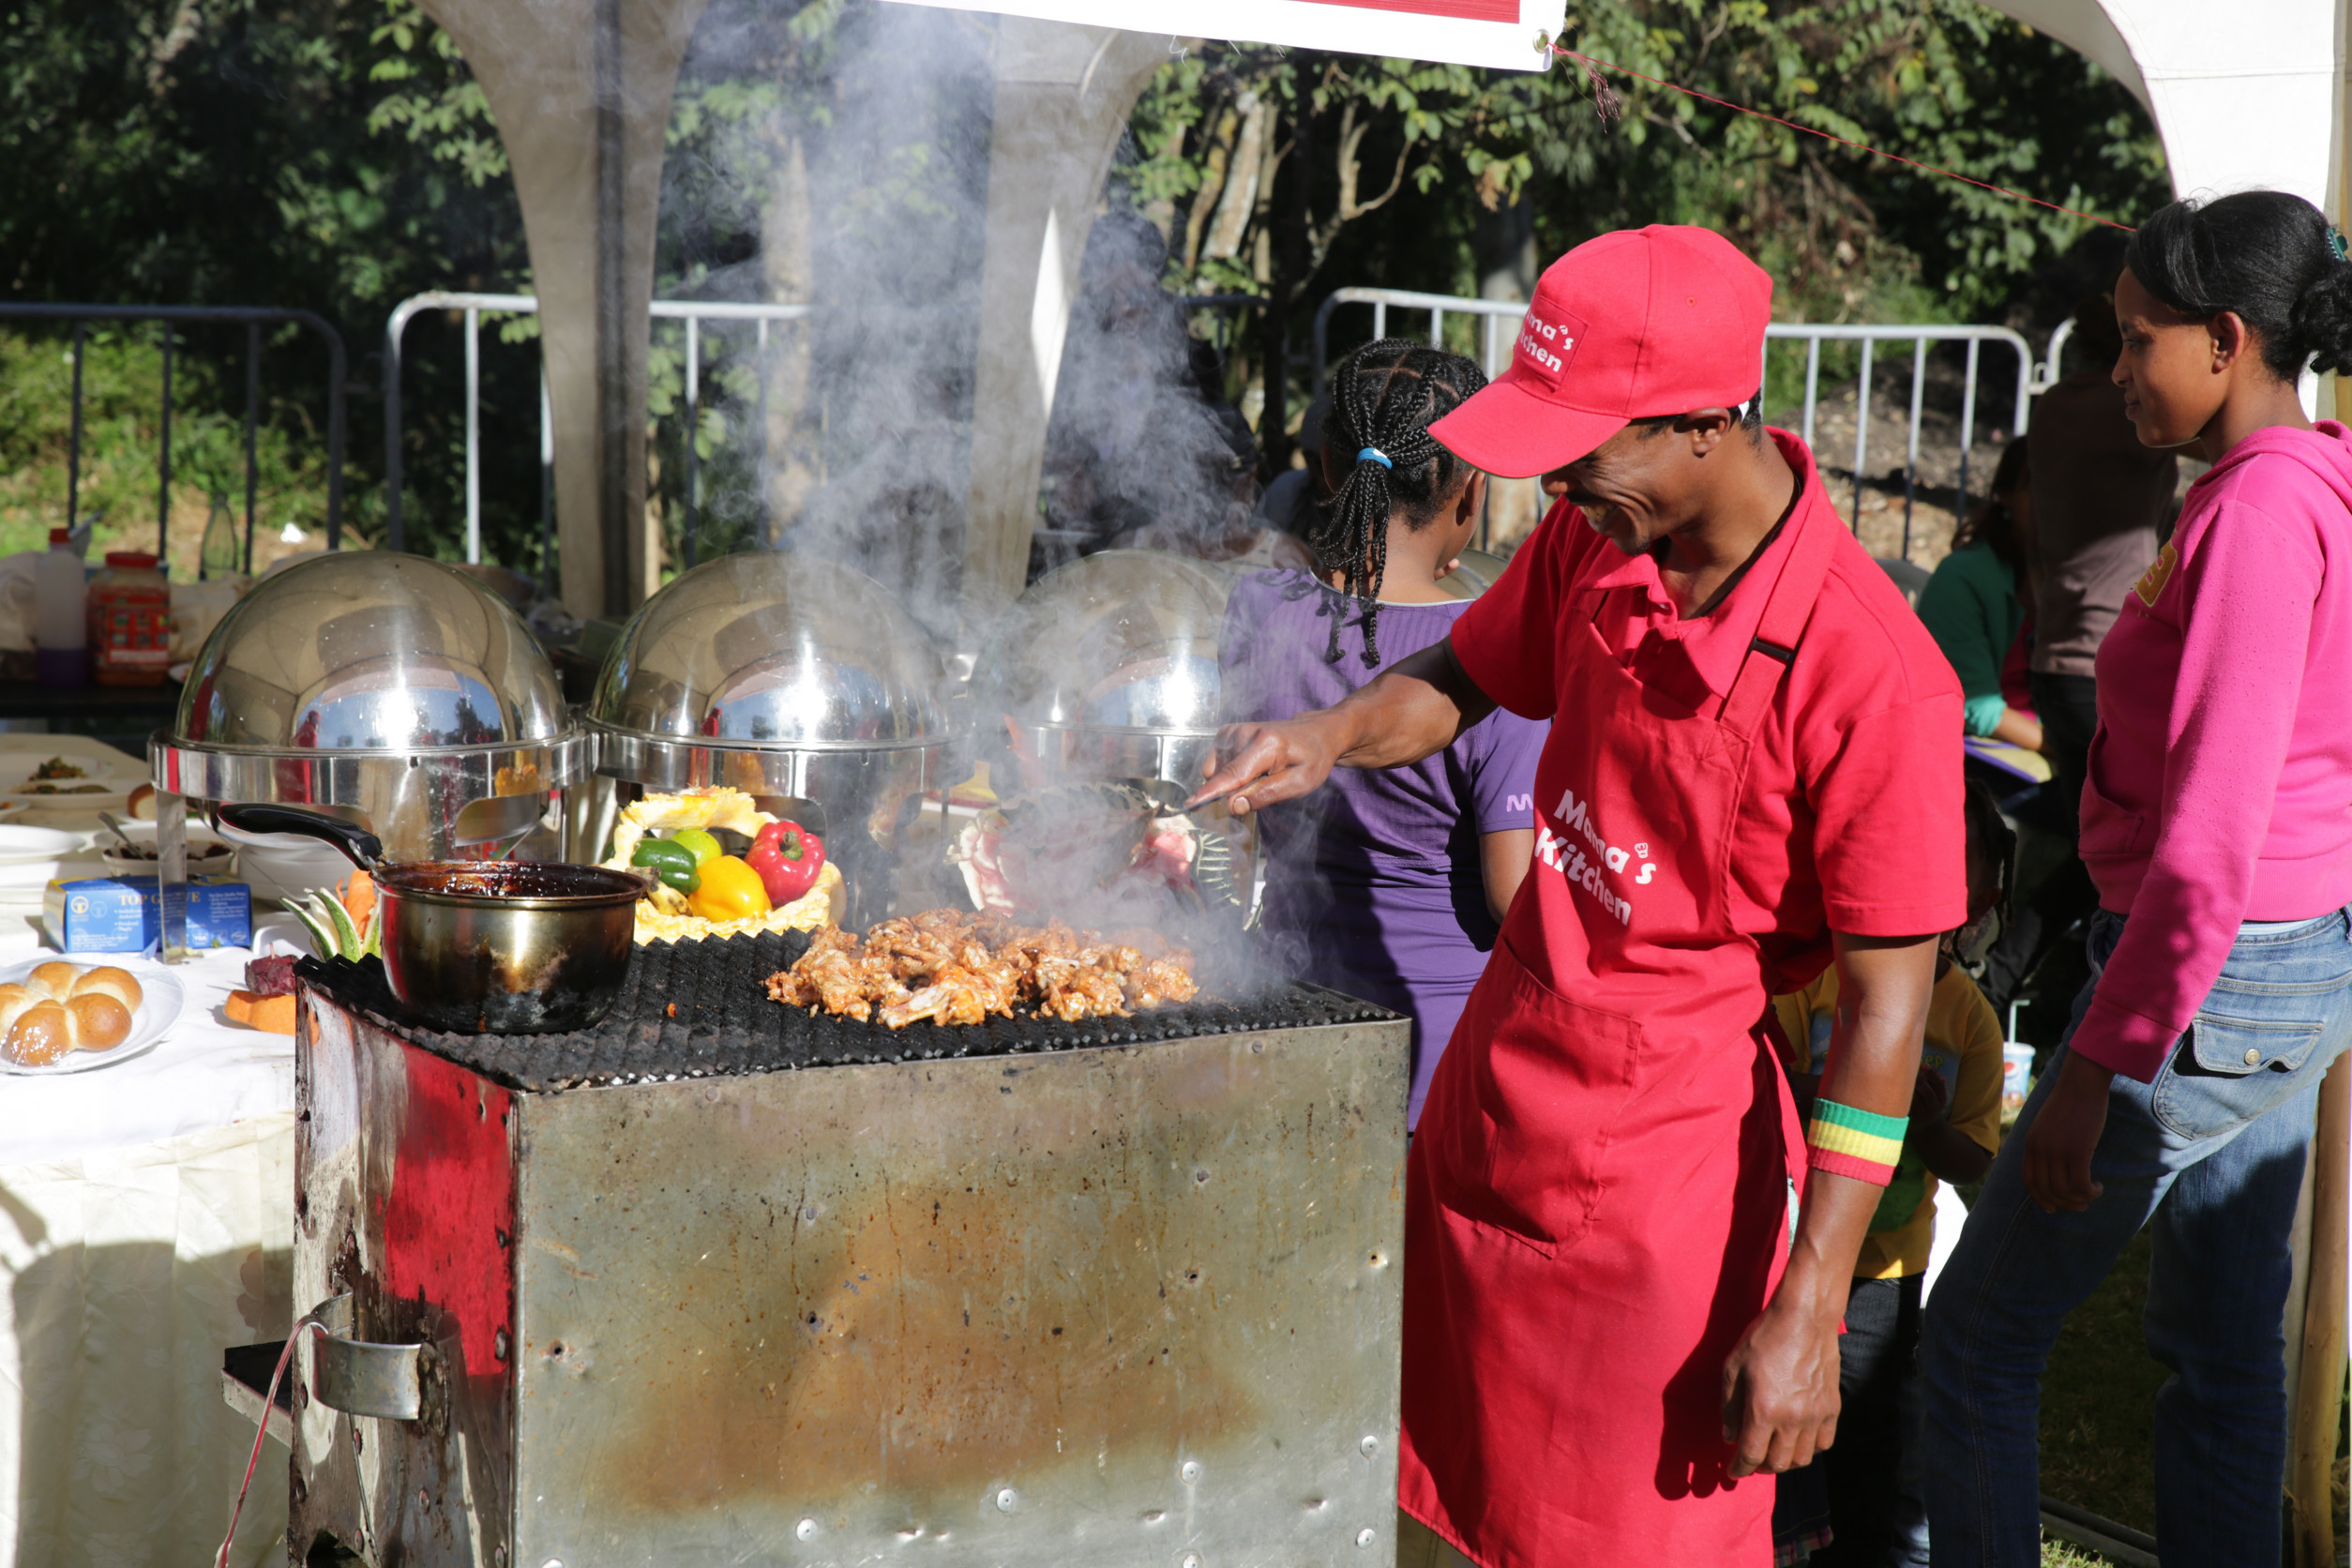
2098 1401
122 390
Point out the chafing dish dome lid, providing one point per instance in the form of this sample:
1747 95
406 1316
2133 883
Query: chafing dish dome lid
368 651
1121 640
773 650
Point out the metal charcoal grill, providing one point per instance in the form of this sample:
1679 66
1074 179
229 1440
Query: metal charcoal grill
719 1281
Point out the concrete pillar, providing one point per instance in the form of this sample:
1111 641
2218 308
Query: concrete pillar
1063 96
580 92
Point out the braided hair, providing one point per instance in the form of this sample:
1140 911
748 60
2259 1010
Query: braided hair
1384 396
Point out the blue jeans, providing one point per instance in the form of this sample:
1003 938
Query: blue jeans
2213 1150
1867 1485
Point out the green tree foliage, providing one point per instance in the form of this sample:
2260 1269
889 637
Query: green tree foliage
1291 173
328 155
122 375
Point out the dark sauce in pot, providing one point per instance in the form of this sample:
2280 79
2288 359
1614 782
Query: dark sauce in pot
526 878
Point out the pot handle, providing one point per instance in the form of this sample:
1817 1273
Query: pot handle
361 847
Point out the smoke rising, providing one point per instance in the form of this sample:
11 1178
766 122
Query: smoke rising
865 182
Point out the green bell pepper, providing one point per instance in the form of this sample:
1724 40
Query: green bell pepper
670 860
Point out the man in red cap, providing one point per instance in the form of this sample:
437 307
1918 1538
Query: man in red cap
1753 770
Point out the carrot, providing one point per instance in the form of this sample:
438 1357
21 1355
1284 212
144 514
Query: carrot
356 893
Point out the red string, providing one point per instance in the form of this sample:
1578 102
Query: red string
1589 63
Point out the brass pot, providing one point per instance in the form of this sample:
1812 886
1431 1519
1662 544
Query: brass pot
485 946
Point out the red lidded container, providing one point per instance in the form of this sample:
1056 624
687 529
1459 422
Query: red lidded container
131 621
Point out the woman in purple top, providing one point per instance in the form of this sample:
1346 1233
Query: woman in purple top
1387 883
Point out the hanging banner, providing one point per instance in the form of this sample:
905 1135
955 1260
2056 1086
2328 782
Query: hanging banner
1505 34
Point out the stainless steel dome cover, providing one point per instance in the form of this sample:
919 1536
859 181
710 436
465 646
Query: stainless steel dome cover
748 662
368 651
388 685
1108 666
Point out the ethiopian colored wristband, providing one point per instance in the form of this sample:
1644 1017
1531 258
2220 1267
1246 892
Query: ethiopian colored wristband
1846 1141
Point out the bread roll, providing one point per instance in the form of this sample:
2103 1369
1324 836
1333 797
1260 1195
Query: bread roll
53 980
107 980
41 1034
14 1000
99 1022
61 1008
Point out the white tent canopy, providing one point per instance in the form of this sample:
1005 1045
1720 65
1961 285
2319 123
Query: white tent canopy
2246 97
1499 33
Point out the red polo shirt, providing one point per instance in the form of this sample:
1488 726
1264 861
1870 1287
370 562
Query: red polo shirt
1851 817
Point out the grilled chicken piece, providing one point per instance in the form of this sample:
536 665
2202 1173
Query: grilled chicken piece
1070 991
1159 980
957 968
954 995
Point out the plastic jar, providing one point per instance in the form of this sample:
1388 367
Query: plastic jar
131 621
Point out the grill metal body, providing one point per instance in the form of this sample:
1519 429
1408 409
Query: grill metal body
1127 1303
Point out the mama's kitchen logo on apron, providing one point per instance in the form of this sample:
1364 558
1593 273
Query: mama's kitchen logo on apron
1562 854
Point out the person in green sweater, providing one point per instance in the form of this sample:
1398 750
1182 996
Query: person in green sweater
1978 604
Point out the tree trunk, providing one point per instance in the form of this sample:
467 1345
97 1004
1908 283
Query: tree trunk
2319 1402
1238 202
1503 243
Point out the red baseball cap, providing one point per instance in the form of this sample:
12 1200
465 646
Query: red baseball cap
1631 326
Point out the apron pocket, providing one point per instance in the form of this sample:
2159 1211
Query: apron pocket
1546 1080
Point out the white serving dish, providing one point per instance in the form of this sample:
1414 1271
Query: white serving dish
115 797
208 853
160 1002
31 857
283 864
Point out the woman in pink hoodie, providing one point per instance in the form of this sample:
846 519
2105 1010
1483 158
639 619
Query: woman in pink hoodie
2217 822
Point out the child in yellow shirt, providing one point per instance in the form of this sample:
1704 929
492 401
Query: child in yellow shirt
1874 1476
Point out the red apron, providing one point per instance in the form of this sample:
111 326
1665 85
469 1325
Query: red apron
1598 1193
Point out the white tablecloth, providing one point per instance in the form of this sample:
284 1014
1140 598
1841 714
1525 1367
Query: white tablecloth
146 1223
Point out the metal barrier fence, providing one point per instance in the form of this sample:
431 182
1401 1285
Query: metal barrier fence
692 311
1495 344
253 319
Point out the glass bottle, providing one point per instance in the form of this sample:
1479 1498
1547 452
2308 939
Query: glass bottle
219 556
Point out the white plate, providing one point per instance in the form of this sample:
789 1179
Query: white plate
160 1002
92 768
31 857
115 797
20 842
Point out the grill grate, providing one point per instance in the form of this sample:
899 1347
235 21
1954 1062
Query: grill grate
698 1009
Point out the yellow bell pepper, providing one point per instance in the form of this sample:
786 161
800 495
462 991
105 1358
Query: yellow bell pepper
731 891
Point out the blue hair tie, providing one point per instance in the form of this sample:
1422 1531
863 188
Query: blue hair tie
1376 455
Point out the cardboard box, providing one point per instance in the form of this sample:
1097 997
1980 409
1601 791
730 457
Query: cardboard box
125 914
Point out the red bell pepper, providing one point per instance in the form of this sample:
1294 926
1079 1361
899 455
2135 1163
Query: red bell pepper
787 857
